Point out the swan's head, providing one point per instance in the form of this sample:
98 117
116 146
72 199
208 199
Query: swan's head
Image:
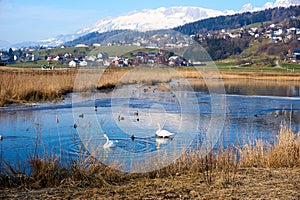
104 135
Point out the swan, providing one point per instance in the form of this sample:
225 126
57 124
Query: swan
109 143
163 133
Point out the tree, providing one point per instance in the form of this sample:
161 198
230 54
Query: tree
11 56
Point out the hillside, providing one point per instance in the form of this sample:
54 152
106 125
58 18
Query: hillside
274 15
273 32
245 34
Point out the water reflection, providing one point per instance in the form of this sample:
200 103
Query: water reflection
255 87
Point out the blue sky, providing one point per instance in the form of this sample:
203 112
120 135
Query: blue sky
33 20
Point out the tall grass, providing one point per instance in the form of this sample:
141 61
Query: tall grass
34 85
31 85
285 152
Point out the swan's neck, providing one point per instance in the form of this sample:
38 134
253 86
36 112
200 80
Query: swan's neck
159 128
106 138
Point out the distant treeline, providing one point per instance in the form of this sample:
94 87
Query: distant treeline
94 37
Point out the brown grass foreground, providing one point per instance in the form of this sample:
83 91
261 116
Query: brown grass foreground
254 171
20 85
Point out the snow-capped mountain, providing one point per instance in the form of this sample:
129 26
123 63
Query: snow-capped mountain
286 3
161 18
278 3
145 20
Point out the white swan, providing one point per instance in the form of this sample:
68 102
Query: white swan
163 133
109 143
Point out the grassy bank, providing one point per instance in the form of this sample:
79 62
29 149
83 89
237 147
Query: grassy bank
22 85
252 171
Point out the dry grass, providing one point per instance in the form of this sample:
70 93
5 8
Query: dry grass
285 153
20 85
34 85
28 85
256 170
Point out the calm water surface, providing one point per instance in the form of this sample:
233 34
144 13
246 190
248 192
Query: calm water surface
251 110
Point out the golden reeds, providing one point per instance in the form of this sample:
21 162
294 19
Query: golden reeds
284 153
31 85
34 85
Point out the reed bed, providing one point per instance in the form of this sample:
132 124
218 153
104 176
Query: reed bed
34 85
285 152
28 85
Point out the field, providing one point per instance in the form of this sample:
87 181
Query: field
110 50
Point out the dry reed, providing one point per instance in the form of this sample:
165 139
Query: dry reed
32 85
284 153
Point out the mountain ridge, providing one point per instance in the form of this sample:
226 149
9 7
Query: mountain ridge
153 19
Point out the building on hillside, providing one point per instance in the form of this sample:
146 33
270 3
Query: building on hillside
83 63
72 63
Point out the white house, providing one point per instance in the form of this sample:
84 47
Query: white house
81 45
72 63
83 63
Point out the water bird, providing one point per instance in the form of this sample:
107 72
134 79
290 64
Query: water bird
81 115
109 144
57 120
136 113
132 137
1 138
120 118
96 108
75 125
163 133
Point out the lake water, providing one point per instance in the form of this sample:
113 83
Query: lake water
249 110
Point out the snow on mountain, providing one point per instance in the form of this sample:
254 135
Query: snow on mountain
286 3
277 3
161 18
247 8
145 20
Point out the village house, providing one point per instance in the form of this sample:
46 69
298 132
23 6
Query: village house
72 63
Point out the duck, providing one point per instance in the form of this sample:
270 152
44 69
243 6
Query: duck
57 120
1 137
120 118
132 137
109 144
163 133
95 108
